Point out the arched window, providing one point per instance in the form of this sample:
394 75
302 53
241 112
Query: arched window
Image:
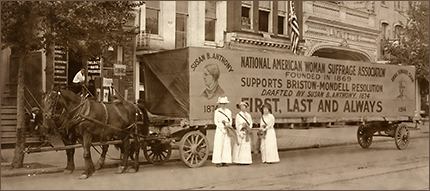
384 31
398 32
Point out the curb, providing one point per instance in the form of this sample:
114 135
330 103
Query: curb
34 172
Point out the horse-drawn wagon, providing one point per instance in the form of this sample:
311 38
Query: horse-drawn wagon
75 119
185 83
182 87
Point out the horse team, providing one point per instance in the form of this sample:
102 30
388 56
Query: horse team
84 120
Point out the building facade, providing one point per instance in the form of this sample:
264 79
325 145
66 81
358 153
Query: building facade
347 30
240 25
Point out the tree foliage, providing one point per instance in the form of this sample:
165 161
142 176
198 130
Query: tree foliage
86 25
413 49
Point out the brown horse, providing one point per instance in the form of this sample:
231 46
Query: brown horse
91 121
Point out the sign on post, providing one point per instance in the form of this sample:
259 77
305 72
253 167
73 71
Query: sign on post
94 67
119 69
60 66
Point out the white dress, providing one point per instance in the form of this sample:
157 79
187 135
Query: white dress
269 147
242 152
222 147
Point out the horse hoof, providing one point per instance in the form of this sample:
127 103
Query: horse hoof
67 171
132 170
83 176
120 170
98 167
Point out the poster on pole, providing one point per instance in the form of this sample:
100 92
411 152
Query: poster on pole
119 69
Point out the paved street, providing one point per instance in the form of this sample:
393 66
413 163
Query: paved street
343 167
287 139
310 159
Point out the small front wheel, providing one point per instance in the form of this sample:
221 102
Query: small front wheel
401 137
156 152
363 137
194 149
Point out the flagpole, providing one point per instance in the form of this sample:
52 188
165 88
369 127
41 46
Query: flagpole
295 33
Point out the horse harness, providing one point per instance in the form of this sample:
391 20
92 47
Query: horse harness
134 125
77 117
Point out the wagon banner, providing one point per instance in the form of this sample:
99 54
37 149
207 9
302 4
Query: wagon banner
297 86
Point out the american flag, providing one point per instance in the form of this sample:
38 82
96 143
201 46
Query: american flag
294 29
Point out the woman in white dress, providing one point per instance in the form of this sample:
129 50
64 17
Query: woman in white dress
222 148
242 151
268 147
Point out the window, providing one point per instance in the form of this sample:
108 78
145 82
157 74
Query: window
246 14
282 12
384 29
181 24
152 16
210 20
398 32
264 15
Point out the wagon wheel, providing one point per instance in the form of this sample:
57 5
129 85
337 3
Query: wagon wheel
156 152
401 137
194 149
364 140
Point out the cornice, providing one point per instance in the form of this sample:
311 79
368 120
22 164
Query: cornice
346 26
258 40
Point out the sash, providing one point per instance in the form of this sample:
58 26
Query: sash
230 131
246 129
262 117
225 115
245 119
261 133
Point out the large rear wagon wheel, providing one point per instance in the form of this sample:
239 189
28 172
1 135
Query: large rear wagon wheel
401 137
194 149
156 152
363 138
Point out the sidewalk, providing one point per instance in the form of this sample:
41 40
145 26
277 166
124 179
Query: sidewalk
287 139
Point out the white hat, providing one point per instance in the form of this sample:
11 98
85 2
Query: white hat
242 103
34 109
223 100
